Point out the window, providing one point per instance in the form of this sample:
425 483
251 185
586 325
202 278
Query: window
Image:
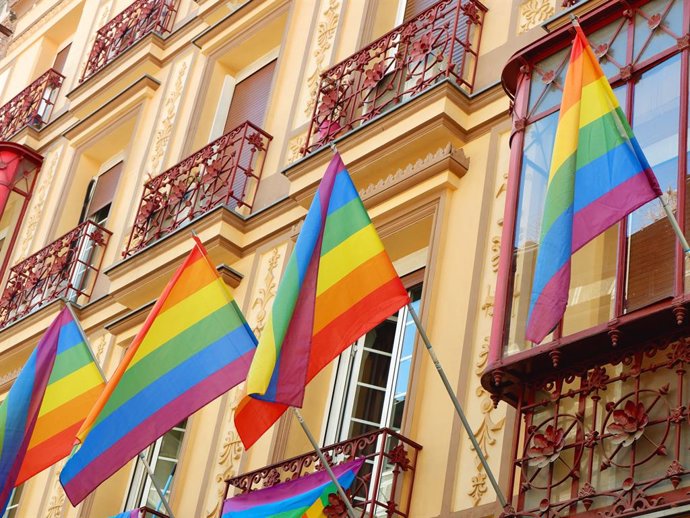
13 504
372 377
61 58
163 457
250 98
632 265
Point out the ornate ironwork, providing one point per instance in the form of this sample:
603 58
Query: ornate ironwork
126 29
440 43
66 268
147 512
225 172
383 486
32 106
606 440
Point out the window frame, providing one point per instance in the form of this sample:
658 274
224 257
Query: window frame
517 80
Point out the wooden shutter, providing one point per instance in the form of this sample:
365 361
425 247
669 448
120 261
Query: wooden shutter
104 190
61 58
414 7
250 98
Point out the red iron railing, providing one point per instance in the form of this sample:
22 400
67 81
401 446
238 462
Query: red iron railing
440 43
32 106
608 440
383 486
127 28
66 268
225 172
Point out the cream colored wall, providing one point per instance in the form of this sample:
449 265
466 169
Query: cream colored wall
156 125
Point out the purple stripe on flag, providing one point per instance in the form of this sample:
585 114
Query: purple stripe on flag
550 305
610 208
154 426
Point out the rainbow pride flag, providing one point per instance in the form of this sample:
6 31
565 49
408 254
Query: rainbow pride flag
305 497
136 513
194 346
338 284
46 404
598 176
74 385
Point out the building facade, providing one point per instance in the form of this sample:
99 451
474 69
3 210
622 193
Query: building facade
127 125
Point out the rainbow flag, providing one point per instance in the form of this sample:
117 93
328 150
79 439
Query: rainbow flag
305 497
194 346
598 176
74 385
46 404
338 284
136 513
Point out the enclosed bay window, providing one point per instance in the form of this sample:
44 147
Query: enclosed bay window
163 456
637 264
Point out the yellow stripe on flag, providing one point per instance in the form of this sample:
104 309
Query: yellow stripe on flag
65 389
348 255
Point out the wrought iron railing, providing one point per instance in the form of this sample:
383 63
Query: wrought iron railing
605 440
127 28
440 43
225 172
383 486
67 268
32 106
147 512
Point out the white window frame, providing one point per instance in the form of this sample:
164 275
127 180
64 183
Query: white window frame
13 505
140 486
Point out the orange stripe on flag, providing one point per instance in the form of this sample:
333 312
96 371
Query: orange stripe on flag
193 278
47 453
352 288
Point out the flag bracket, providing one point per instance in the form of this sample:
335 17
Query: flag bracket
324 463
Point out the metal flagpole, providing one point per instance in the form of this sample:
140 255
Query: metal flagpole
142 457
324 463
458 408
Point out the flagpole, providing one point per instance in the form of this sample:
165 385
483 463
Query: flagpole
458 408
149 471
324 463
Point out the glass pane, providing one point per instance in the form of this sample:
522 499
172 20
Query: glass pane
610 44
547 82
382 337
535 171
657 27
368 404
375 369
651 242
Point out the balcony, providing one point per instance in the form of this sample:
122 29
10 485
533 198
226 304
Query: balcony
146 512
608 440
224 173
67 268
127 28
32 106
441 43
383 486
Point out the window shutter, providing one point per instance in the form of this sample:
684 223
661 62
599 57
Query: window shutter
250 98
61 58
414 7
104 191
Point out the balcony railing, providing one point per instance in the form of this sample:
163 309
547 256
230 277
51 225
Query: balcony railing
606 440
127 28
383 486
439 43
225 172
147 512
32 106
66 268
